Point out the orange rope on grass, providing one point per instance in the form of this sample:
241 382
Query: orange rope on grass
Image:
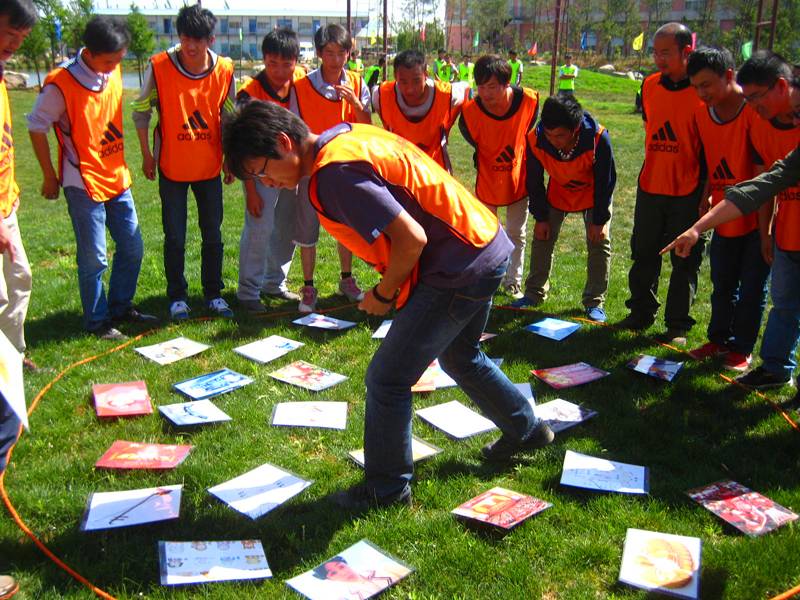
787 594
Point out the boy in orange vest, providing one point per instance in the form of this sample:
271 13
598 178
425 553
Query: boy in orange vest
738 270
83 100
266 247
670 186
419 109
496 123
326 97
441 255
192 87
576 152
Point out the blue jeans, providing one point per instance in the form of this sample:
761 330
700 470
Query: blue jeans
739 276
266 248
443 323
9 429
89 221
208 195
779 344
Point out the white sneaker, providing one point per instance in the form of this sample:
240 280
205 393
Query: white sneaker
179 310
219 306
308 302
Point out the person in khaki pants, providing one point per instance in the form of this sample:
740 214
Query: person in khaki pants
576 153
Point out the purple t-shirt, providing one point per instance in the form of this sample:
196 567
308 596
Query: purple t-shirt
355 195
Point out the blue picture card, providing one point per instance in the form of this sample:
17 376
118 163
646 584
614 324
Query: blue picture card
554 329
212 384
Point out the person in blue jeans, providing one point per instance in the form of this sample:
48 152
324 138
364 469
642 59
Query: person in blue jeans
83 100
441 254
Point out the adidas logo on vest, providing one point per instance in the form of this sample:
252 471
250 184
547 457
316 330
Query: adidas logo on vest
196 127
664 140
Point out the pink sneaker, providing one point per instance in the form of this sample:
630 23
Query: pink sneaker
349 287
308 299
736 361
708 350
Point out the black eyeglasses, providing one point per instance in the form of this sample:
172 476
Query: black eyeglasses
261 173
759 95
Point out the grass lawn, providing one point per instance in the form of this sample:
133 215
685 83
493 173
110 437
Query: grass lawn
691 432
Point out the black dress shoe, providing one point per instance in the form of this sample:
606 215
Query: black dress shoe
134 315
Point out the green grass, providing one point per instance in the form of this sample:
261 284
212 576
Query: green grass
689 433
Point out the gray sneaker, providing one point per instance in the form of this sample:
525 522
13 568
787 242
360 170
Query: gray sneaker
503 449
107 332
281 294
253 307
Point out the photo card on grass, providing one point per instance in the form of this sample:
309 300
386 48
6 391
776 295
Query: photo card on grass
198 412
361 571
434 378
121 399
569 375
382 330
268 349
307 376
560 414
135 455
12 389
455 419
260 490
110 510
212 384
324 322
553 329
666 370
420 450
748 511
661 562
323 414
171 351
183 563
501 507
592 473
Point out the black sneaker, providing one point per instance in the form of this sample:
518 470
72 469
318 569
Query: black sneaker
107 332
635 322
134 315
503 449
761 379
362 497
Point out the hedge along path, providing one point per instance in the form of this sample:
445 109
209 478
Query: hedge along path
4 493
103 594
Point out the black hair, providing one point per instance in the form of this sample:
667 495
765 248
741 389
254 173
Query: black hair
718 60
320 572
561 111
568 57
681 33
106 35
196 22
253 130
21 13
441 51
282 42
491 65
514 52
382 60
332 33
409 59
764 68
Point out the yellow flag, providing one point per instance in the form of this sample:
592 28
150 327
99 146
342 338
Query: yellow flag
373 40
638 41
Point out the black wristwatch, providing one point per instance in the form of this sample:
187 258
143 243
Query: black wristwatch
380 298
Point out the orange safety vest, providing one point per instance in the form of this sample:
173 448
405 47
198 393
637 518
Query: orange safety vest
771 144
401 163
671 143
254 87
570 187
9 191
729 158
428 132
189 118
95 127
318 112
500 146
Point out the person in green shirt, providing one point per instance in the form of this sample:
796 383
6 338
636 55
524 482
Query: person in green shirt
465 70
372 74
567 73
438 63
355 63
516 67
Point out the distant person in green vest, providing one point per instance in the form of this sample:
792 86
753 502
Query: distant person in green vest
445 69
516 67
466 69
567 74
372 74
438 63
355 63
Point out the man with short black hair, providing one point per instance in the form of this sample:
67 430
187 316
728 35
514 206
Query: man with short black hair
567 74
191 87
516 68
575 151
82 99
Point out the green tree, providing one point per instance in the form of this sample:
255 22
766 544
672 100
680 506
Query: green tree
53 16
34 48
143 41
74 22
490 17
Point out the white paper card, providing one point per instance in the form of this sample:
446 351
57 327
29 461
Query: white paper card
328 415
323 322
171 351
108 510
661 562
381 331
583 471
12 387
270 348
560 414
199 412
455 419
203 562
